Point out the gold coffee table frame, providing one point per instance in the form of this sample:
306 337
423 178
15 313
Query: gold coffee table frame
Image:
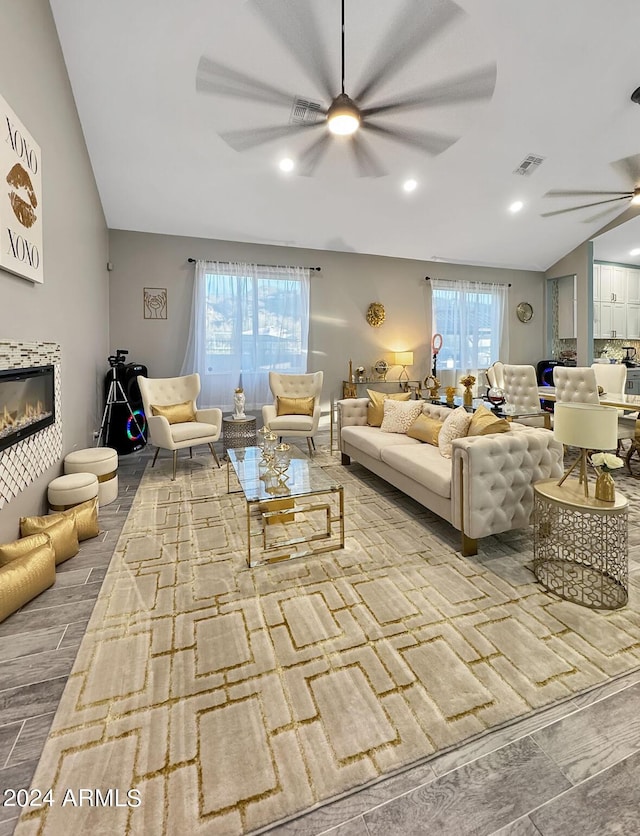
295 494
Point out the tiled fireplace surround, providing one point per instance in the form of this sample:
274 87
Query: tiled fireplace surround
23 462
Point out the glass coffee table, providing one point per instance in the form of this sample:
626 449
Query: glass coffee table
283 511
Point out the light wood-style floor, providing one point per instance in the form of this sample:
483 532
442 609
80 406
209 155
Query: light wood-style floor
572 769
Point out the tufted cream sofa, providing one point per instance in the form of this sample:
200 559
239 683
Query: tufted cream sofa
485 488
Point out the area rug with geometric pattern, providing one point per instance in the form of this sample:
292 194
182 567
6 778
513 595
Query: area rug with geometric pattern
211 698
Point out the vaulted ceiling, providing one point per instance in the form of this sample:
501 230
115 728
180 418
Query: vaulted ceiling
167 159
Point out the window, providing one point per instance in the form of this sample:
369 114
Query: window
471 316
246 321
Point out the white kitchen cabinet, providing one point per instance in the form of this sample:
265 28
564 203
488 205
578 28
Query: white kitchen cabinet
596 283
567 308
613 283
613 320
633 286
633 322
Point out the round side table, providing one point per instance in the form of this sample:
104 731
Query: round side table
580 544
238 432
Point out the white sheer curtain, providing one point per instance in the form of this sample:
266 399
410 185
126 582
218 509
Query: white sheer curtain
473 320
246 320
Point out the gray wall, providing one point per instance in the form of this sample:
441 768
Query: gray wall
71 307
340 296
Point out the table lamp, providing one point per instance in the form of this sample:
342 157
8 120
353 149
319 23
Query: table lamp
404 359
587 426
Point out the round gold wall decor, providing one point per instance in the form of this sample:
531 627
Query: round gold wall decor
524 312
375 314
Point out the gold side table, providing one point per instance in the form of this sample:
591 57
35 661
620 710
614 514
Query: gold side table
580 544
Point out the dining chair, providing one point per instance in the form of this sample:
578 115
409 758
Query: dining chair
174 420
521 391
612 377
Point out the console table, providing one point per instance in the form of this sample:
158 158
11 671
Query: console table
359 389
580 544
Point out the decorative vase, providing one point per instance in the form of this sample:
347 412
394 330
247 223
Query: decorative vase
605 487
467 396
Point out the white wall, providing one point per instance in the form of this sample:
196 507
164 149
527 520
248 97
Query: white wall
340 296
71 307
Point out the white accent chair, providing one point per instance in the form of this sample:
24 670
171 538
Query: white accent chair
521 390
294 386
170 391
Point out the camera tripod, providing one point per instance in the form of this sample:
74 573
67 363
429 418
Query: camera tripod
115 395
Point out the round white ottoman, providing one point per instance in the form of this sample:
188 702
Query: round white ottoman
103 462
66 491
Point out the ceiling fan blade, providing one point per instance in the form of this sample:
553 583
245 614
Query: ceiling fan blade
309 159
367 162
243 140
212 77
579 193
467 87
417 24
584 206
295 25
428 141
599 215
630 168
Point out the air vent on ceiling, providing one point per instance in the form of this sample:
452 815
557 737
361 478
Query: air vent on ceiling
529 164
305 112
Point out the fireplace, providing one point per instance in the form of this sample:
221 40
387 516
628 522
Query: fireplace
27 403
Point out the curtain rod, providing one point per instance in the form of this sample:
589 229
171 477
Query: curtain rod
428 279
318 269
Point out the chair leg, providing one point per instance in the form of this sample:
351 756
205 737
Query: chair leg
175 462
190 452
155 457
213 453
309 445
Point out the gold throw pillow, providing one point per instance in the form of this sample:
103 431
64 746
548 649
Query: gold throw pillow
295 406
86 517
175 413
25 577
375 410
61 529
425 429
485 422
25 545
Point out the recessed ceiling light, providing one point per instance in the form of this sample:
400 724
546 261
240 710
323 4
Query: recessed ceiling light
635 252
410 185
286 164
516 206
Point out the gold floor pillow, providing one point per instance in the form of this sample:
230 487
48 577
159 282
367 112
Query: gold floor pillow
86 517
375 410
21 547
425 429
295 406
25 577
61 529
485 422
175 413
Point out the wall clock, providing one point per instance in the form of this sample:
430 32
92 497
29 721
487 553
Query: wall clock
524 312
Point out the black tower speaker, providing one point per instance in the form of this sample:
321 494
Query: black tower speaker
544 373
122 433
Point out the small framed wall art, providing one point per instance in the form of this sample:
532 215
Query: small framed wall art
155 302
20 199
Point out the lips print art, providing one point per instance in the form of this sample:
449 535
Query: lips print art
24 211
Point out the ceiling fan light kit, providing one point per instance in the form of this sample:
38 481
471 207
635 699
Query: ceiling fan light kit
343 117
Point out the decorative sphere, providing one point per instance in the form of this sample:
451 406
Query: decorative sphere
496 395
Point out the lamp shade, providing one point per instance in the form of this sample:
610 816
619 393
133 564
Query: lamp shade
404 358
588 426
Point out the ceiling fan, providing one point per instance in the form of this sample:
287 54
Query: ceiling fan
418 23
630 168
